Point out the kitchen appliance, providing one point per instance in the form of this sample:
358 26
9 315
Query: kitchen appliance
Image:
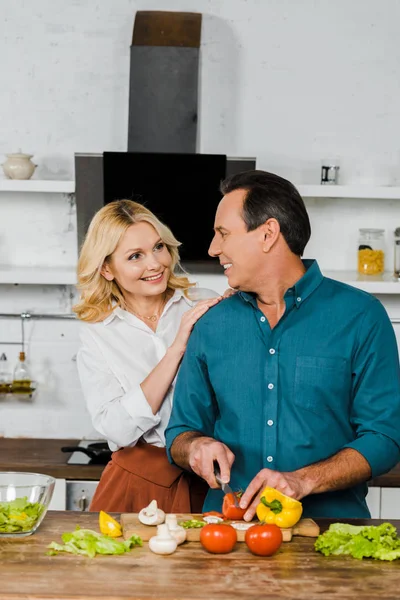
181 189
90 191
88 452
79 493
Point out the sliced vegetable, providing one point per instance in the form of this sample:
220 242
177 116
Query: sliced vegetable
213 513
229 508
263 540
213 519
192 524
19 515
372 541
218 539
89 543
241 525
108 525
279 509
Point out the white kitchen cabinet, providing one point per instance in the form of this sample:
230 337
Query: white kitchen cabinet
58 501
390 503
374 502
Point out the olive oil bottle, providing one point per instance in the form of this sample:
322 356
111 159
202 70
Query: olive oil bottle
5 377
22 382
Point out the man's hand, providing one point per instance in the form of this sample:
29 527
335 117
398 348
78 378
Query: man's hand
292 484
203 452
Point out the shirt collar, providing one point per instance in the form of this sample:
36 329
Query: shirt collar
120 313
303 288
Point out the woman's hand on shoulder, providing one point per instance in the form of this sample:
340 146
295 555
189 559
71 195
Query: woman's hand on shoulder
228 293
189 319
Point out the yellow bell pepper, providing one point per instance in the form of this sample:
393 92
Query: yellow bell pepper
277 508
108 525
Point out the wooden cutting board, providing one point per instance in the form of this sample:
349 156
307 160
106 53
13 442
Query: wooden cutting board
132 526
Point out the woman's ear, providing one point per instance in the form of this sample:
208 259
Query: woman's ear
106 272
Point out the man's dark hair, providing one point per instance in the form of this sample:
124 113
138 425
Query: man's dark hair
270 196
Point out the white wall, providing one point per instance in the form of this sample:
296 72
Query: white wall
287 81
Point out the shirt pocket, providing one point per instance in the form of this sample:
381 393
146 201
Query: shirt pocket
322 384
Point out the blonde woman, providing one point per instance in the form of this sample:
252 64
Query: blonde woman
137 314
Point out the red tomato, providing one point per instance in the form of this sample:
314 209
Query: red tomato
229 510
213 513
218 539
263 540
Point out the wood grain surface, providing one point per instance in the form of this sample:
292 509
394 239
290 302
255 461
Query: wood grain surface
132 526
295 572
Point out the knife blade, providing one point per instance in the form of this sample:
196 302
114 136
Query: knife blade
225 487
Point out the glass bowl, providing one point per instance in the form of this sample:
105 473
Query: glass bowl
24 500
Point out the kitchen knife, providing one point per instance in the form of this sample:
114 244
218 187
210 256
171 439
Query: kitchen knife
225 487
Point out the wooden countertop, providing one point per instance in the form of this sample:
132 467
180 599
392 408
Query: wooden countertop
44 456
296 571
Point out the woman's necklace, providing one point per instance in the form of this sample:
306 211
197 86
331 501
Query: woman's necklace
152 318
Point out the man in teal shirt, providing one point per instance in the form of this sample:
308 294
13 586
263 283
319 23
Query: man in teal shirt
293 382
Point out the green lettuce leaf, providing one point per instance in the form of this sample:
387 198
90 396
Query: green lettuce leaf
380 542
19 515
89 543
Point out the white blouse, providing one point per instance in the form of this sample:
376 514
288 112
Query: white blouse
117 354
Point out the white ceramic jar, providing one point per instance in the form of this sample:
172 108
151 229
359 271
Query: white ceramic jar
19 166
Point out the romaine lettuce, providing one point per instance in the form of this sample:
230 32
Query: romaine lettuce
19 516
89 543
380 542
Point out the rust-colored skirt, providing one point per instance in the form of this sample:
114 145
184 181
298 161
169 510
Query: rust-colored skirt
136 476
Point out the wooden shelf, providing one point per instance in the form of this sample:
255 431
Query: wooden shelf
37 275
36 185
374 284
350 191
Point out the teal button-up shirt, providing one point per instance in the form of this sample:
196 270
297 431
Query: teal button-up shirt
326 377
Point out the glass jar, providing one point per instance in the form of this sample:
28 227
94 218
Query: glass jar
396 270
371 251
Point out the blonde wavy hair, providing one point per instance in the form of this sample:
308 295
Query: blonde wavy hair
99 296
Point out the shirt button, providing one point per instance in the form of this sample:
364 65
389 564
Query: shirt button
270 386
270 458
270 422
298 299
262 319
271 351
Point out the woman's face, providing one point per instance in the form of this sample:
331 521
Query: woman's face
141 262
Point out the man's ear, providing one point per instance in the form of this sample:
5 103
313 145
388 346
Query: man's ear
106 272
271 231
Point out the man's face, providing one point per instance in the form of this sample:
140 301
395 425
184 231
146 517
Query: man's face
238 250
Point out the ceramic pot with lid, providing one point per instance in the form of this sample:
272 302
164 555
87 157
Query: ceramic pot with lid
19 166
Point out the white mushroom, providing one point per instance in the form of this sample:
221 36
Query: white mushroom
177 531
151 515
163 542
